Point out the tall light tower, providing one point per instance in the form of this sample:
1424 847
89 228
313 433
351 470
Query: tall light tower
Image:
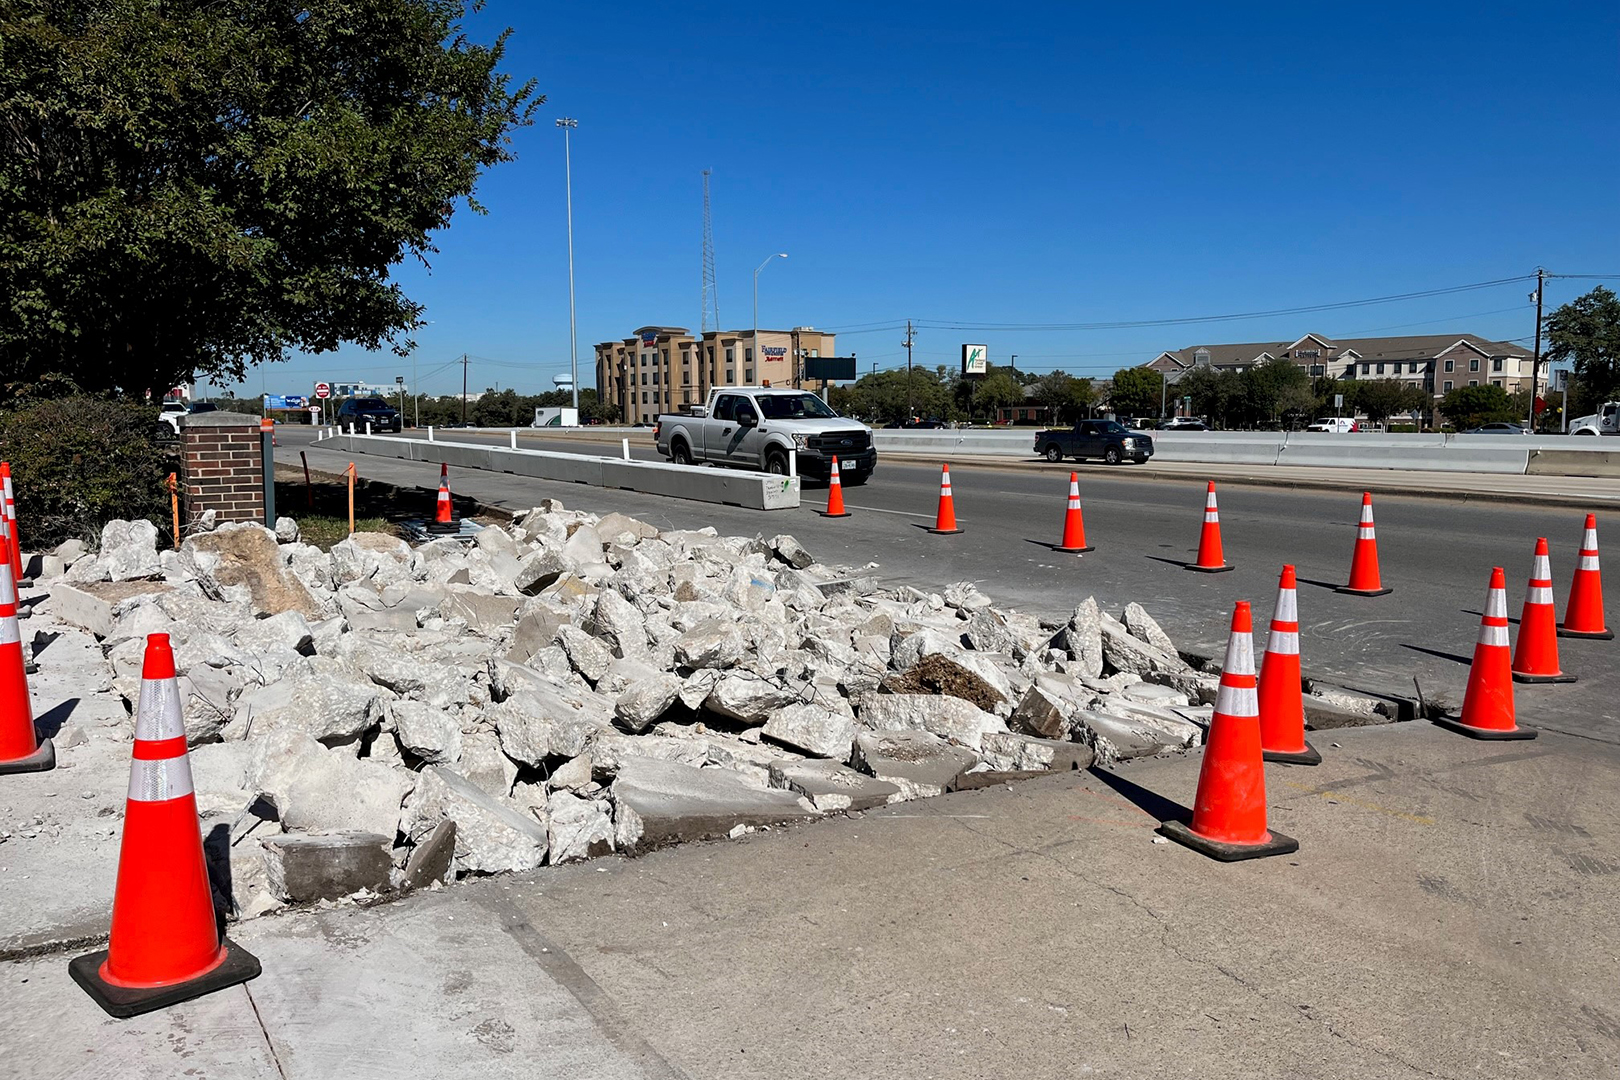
759 363
568 123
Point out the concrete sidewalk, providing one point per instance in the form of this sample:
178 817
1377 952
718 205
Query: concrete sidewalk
1453 911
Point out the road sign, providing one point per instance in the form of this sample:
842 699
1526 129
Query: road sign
1338 401
323 390
975 359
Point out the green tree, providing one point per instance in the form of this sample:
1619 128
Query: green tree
193 188
999 390
1471 406
1215 395
1264 387
1586 331
1381 399
1136 391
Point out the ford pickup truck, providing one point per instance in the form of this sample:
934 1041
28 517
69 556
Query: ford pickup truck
1095 439
754 427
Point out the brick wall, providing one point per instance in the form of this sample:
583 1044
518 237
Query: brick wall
223 470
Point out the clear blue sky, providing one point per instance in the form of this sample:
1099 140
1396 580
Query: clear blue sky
1026 163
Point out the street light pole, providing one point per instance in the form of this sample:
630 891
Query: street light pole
568 124
758 363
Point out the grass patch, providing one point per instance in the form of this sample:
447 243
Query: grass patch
323 532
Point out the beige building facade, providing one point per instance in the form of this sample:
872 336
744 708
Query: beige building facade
661 369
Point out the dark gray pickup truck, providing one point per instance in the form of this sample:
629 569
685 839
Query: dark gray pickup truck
1104 439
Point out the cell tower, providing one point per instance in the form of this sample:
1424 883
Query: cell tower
711 297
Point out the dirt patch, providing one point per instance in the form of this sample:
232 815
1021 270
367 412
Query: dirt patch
937 675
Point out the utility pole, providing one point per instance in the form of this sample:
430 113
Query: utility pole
1535 364
910 339
567 124
463 389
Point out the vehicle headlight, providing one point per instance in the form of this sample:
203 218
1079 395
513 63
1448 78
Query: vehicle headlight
801 441
1130 444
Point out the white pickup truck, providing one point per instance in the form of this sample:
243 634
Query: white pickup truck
1606 421
755 427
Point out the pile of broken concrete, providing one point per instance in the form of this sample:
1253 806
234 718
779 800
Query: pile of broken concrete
383 716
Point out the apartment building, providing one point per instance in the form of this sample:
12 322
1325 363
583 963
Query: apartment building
665 368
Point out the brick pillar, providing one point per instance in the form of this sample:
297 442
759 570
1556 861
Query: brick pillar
224 466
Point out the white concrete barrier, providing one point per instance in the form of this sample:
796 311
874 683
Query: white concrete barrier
750 490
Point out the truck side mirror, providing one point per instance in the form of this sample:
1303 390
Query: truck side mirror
747 419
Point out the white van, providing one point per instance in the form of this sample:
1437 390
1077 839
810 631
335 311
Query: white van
1339 425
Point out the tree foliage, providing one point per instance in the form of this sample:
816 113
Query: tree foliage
1381 399
1066 396
1471 406
194 187
1586 331
1136 391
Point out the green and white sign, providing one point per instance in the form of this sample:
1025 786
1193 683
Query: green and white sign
975 359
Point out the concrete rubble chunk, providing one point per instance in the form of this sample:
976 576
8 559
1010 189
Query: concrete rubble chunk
1122 737
539 570
1083 639
1009 752
590 657
428 732
1041 713
334 710
946 717
665 802
584 545
644 702
610 751
369 556
493 834
129 551
919 764
1143 627
579 828
536 627
314 789
790 551
432 859
305 868
713 643
1124 652
484 765
537 723
813 728
618 623
623 529
484 614
747 697
286 530
966 597
831 786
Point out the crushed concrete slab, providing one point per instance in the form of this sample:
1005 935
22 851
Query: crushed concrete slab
304 868
664 802
831 786
918 763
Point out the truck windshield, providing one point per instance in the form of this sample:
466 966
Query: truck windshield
793 407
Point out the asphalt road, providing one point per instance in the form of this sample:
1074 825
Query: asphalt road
1437 553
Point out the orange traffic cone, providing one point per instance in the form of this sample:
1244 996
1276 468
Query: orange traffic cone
1487 711
14 544
443 515
1364 579
1583 615
1282 699
1229 813
1211 558
1535 658
21 749
835 494
1074 523
945 521
165 946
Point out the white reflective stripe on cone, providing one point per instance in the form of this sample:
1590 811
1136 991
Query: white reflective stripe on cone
1496 604
1239 655
1493 635
160 781
1238 701
1365 532
8 588
1589 540
1539 594
1284 642
1588 562
157 714
1287 607
8 629
1541 569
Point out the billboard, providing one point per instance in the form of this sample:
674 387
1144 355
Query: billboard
975 359
285 401
830 368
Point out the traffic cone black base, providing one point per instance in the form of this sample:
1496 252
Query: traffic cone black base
1364 592
846 513
945 532
1072 551
1308 756
41 760
1275 844
1600 635
1560 677
444 528
1486 734
1210 569
123 1002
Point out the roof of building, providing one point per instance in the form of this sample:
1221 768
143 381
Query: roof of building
1411 347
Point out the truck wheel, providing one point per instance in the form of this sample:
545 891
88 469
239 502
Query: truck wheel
776 463
678 452
1054 453
1112 455
1584 431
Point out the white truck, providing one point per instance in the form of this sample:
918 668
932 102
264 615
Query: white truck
1606 421
755 427
556 417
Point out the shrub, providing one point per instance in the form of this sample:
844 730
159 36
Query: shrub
79 462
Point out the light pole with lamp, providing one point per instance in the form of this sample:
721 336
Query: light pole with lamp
758 362
568 123
399 381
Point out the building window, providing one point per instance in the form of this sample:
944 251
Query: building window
1496 382
1366 369
1496 365
748 356
656 373
1451 365
1473 365
1447 384
731 358
1318 369
748 376
1473 382
644 397
666 356
1381 369
731 373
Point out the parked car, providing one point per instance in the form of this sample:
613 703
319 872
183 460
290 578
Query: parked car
930 424
358 411
754 427
1497 429
1184 423
1104 439
1341 425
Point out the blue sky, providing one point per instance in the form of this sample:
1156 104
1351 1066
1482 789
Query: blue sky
1026 163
